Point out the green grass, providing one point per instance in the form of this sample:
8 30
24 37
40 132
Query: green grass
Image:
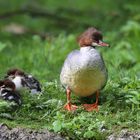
119 101
119 105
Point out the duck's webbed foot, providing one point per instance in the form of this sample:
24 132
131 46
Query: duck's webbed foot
70 107
92 107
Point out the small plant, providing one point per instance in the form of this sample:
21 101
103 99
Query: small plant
2 46
133 98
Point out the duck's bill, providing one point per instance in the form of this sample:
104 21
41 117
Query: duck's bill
103 44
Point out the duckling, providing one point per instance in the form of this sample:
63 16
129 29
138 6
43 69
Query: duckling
24 80
7 91
84 71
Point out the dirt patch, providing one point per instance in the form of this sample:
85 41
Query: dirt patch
7 133
125 135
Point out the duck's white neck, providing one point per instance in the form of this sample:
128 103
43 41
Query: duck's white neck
86 48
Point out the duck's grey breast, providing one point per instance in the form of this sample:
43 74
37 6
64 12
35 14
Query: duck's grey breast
84 73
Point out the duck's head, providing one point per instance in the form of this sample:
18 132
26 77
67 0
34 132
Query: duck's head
91 37
7 84
11 74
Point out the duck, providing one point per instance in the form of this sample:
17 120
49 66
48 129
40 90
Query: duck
23 80
8 92
84 72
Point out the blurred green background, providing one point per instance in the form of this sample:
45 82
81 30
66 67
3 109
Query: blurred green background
37 35
69 16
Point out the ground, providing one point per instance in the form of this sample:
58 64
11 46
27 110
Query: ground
24 134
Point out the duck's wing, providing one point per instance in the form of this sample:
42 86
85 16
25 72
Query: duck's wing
33 84
71 58
69 65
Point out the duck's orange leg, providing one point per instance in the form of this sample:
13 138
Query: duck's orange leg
91 107
68 105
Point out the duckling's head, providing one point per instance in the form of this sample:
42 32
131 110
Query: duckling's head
7 84
12 73
91 37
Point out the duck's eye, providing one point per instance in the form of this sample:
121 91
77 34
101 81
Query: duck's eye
96 40
96 37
